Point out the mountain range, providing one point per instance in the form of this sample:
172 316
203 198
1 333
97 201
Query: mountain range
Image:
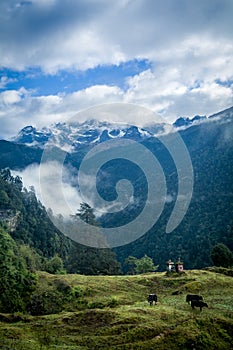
209 141
72 136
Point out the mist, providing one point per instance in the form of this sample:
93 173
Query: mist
55 193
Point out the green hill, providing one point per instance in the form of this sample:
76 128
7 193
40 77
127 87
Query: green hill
112 312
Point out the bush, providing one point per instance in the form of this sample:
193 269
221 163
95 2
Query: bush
62 286
55 265
45 303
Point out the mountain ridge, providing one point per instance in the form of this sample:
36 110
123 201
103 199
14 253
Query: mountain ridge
70 136
209 217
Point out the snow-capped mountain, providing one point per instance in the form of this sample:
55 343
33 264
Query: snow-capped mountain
71 136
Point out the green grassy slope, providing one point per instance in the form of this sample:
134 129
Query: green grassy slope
111 312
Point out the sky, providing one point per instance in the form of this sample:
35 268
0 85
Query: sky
59 57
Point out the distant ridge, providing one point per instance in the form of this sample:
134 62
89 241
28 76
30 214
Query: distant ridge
70 136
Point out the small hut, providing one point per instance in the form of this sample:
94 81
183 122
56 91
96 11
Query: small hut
170 266
179 266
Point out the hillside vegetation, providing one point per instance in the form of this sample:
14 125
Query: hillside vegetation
112 312
24 217
208 220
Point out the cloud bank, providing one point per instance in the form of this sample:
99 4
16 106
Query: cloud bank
46 182
188 43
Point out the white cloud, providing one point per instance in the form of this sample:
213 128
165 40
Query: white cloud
61 197
193 77
4 81
45 110
189 44
169 93
85 33
10 97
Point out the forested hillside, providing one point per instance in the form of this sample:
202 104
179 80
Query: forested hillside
26 220
208 221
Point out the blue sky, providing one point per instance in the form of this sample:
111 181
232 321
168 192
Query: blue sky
59 57
68 81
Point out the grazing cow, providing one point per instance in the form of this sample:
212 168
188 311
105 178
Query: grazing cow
198 303
152 298
190 297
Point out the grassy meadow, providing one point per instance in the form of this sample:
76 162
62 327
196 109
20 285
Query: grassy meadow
112 312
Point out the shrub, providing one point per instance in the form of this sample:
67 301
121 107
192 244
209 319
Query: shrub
45 303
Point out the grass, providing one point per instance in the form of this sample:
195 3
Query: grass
111 312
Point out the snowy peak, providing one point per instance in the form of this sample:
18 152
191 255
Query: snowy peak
71 136
31 136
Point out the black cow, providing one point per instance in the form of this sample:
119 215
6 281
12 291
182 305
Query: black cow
190 297
198 303
152 298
